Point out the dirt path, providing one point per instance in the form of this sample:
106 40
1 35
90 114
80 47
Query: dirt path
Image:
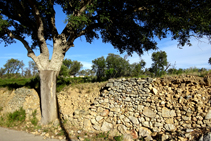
13 135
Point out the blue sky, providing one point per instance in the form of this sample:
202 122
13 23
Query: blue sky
195 56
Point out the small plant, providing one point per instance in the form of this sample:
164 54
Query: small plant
87 139
103 135
1 109
15 117
34 120
61 133
118 138
18 115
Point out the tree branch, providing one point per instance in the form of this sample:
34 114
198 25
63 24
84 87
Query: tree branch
67 30
52 20
30 52
40 32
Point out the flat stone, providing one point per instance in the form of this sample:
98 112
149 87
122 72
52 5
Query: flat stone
170 127
122 129
87 124
144 132
105 113
133 119
157 124
93 121
106 126
115 109
148 112
208 116
168 113
96 127
146 123
98 118
155 91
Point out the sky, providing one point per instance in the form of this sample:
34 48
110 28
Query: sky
195 56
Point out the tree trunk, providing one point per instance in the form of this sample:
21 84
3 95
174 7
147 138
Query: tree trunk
48 96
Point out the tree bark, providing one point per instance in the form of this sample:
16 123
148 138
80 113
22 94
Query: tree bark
48 96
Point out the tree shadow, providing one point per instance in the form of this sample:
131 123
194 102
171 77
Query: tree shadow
61 122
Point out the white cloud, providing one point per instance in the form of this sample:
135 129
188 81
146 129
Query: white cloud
195 56
86 65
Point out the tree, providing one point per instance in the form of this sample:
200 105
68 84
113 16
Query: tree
99 66
13 66
136 68
132 29
33 68
159 62
75 68
209 61
117 66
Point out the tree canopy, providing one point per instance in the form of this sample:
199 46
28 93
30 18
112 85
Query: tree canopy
128 25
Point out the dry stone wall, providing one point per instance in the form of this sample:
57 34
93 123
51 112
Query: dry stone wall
140 107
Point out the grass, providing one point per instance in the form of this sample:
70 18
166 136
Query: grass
34 120
15 118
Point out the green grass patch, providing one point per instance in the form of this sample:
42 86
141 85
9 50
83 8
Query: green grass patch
16 117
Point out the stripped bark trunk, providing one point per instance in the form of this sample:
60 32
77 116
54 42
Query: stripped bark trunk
48 96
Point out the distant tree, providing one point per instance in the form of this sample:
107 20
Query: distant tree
75 68
13 66
2 72
117 66
99 67
64 71
159 62
67 63
33 68
209 61
137 68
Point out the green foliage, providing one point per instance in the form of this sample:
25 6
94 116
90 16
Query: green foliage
64 71
110 73
209 61
34 120
120 65
118 138
12 66
103 135
99 66
159 62
18 116
75 67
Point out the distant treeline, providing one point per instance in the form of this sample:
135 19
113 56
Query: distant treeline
113 66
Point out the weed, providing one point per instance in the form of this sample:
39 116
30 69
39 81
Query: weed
18 115
1 109
61 133
34 120
103 135
118 138
87 139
